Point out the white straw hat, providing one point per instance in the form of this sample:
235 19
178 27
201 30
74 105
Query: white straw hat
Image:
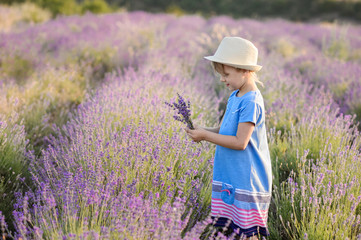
236 52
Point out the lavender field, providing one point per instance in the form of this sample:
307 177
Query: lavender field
89 150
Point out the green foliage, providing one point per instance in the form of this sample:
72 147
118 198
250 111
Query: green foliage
339 89
17 67
44 100
311 134
313 147
94 63
175 10
48 100
358 209
95 6
284 154
321 191
291 9
355 55
280 209
356 109
13 163
32 13
63 7
337 47
20 15
11 1
284 47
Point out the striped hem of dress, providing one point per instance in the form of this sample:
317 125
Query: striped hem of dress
247 211
243 218
243 232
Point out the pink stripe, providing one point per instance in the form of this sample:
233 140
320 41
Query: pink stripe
230 211
240 212
219 201
239 217
229 193
251 224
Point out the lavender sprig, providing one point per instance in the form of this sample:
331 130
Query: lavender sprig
183 111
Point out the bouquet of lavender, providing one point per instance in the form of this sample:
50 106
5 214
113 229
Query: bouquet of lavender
184 112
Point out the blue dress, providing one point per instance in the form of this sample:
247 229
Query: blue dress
242 179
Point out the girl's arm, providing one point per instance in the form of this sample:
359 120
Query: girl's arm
215 129
238 142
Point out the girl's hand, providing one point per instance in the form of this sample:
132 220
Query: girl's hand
197 135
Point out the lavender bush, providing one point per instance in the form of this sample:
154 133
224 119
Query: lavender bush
132 157
116 165
13 164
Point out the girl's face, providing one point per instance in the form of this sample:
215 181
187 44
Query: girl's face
234 78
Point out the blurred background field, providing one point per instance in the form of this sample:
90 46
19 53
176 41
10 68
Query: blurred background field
329 10
88 149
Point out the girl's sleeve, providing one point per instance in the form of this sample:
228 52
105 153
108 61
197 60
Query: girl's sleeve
250 112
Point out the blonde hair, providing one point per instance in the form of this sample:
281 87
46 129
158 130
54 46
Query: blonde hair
219 68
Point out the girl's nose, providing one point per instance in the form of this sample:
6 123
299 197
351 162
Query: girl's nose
222 79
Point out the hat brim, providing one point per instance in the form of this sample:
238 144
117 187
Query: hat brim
255 68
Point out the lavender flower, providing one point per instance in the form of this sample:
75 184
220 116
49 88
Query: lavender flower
184 112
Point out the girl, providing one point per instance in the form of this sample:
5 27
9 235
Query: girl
242 177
